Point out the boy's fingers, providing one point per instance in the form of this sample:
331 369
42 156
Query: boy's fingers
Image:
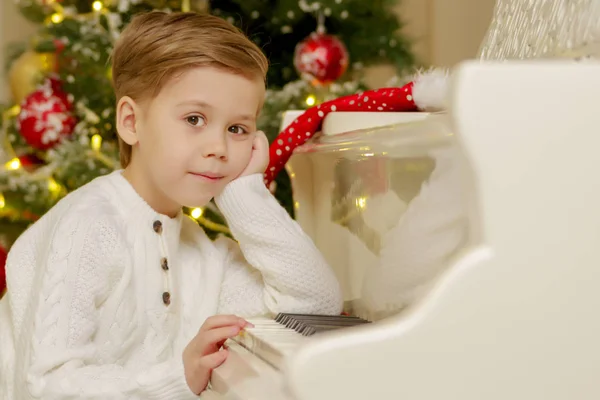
262 135
218 321
210 339
261 141
213 360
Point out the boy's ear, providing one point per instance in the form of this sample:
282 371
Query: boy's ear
128 113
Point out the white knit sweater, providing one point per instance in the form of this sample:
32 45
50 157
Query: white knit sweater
85 289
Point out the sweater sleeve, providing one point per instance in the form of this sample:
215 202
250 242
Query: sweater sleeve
83 270
275 267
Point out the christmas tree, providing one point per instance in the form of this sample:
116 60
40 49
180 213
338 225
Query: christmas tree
59 132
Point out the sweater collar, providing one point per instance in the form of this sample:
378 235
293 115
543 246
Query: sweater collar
135 207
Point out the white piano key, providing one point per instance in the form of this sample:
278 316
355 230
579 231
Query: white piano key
269 340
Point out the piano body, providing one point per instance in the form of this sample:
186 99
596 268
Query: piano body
469 240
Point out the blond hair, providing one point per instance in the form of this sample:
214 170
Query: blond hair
157 45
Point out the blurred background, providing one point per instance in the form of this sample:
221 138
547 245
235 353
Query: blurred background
442 32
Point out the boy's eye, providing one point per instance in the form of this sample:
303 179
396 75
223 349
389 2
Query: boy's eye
238 130
195 120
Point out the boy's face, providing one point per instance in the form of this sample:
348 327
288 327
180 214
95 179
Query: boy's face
195 136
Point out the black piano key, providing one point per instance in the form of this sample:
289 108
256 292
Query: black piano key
303 316
290 323
295 324
309 324
322 321
308 331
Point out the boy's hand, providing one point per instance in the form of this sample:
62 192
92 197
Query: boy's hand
260 155
202 354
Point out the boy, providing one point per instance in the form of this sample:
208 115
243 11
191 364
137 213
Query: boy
113 294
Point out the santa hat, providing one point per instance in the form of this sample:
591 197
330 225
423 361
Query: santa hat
426 92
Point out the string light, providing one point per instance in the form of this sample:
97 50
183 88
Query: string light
196 213
57 18
12 112
53 187
311 100
2 201
97 5
361 202
13 164
96 142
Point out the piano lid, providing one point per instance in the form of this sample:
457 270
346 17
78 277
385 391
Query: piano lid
385 205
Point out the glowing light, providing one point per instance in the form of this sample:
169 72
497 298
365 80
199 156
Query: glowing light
96 142
14 111
197 213
13 164
57 18
311 100
53 187
2 201
97 5
361 202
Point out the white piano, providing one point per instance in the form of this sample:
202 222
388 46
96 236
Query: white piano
470 241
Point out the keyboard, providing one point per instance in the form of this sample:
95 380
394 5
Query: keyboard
273 339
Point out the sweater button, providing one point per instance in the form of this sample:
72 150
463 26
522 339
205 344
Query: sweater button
166 297
157 226
164 263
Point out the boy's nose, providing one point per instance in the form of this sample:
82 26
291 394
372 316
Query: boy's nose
215 147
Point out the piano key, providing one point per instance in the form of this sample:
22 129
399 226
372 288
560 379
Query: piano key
274 339
284 316
302 323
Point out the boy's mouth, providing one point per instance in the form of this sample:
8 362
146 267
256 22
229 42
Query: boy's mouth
210 176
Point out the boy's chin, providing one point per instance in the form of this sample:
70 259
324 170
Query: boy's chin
195 201
201 196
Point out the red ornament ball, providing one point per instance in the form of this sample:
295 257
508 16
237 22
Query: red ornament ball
59 45
30 161
45 117
321 57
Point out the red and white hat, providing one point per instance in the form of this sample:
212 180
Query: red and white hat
426 92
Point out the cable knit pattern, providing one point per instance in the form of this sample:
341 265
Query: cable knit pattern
84 304
256 278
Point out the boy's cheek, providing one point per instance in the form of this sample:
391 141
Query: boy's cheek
241 163
246 155
247 159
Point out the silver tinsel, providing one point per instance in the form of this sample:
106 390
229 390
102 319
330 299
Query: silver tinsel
523 29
